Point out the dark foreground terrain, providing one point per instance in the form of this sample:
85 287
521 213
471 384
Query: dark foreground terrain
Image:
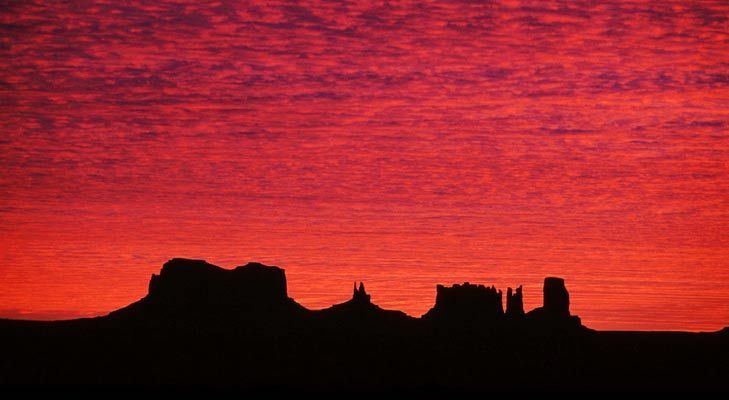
203 324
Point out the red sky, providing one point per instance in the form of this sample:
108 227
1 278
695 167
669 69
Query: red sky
402 144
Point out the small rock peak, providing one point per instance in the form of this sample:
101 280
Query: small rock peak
359 295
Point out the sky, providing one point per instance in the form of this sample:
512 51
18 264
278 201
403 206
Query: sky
403 144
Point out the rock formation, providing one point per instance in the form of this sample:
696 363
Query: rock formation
185 282
556 305
255 291
359 295
201 324
556 297
467 301
514 303
360 314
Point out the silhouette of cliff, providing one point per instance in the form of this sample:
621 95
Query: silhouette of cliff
514 303
466 302
194 291
184 283
194 288
203 324
556 298
556 305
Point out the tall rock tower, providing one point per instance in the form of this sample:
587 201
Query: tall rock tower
556 298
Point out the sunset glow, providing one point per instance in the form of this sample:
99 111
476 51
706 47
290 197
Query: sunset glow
399 144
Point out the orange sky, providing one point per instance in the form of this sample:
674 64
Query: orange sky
402 144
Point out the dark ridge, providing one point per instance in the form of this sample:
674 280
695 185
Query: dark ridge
200 323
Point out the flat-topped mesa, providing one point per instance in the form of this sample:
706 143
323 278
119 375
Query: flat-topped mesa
467 301
196 283
514 303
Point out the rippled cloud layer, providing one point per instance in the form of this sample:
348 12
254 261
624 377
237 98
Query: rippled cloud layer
403 144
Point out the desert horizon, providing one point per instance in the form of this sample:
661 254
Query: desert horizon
203 324
338 294
403 144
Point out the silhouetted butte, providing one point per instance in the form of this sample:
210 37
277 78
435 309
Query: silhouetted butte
200 323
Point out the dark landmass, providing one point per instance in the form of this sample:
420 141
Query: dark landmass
201 324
